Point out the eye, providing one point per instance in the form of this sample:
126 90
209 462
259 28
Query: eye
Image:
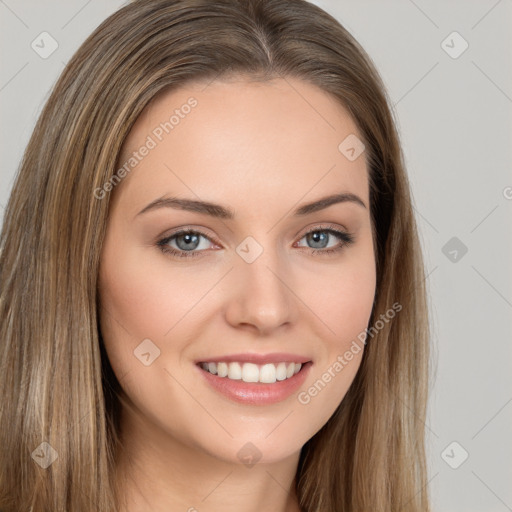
185 243
192 243
326 240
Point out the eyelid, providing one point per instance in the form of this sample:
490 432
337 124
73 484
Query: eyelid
319 227
188 229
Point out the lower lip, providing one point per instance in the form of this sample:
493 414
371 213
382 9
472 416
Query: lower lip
257 393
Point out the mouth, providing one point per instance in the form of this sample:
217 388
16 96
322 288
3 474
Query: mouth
255 384
267 373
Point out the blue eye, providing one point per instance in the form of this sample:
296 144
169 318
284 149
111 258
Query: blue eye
320 238
187 243
190 243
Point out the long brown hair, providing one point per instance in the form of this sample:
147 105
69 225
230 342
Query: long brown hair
56 382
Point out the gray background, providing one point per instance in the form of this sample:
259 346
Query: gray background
454 116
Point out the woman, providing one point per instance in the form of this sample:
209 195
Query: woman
212 287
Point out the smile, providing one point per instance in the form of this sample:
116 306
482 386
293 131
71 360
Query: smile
254 384
249 372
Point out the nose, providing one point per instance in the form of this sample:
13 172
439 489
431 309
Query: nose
261 296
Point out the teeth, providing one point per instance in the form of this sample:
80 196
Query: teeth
281 371
234 371
268 374
222 369
250 372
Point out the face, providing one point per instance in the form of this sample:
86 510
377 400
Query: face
219 250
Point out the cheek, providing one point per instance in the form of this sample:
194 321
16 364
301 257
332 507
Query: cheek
142 296
343 300
349 306
140 303
135 306
342 297
141 299
344 307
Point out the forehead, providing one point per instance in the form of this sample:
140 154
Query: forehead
239 139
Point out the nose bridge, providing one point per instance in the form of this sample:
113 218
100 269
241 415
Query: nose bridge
262 297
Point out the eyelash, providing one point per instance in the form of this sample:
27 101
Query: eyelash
345 237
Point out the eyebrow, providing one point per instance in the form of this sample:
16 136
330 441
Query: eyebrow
222 212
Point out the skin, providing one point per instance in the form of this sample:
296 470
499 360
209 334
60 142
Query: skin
261 149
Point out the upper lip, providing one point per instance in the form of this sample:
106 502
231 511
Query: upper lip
279 357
